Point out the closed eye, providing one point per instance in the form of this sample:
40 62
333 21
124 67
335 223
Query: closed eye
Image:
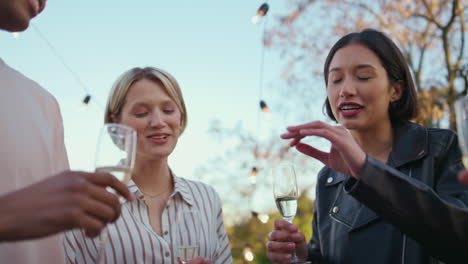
143 114
336 81
364 78
168 111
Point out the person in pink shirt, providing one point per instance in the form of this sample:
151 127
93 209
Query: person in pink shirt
39 196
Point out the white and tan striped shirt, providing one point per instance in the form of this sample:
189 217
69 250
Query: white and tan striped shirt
131 238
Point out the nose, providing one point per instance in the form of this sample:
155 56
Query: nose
348 89
157 120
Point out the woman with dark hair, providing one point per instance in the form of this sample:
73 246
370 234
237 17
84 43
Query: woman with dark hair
389 191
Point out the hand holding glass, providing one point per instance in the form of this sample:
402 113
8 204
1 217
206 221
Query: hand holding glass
286 193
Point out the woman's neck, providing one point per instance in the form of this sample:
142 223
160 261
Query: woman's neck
152 176
376 142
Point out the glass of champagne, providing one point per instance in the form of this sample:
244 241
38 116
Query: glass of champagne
188 237
286 194
115 151
461 110
115 154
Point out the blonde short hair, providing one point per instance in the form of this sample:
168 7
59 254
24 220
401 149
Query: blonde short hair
120 88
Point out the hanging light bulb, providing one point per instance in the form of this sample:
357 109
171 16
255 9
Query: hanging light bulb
84 103
247 252
263 218
254 171
263 106
253 176
261 12
87 99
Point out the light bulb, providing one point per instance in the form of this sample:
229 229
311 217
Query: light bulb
249 256
255 19
263 218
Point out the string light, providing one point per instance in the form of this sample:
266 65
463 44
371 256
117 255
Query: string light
264 106
247 252
254 171
77 78
87 99
261 217
261 12
253 176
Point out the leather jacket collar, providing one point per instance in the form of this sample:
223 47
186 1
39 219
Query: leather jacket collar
410 144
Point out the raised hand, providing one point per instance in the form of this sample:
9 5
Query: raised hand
62 202
345 155
283 240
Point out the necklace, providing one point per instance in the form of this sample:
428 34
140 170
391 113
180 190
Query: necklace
156 195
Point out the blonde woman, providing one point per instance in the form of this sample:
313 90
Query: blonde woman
150 101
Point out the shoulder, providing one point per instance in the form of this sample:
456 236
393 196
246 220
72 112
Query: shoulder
441 134
440 140
17 86
16 80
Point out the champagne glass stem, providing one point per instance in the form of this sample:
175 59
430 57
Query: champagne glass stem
293 254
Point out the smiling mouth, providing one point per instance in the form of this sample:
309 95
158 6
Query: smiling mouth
350 108
159 137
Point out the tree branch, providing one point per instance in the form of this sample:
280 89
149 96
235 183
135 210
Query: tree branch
454 14
462 32
429 19
431 14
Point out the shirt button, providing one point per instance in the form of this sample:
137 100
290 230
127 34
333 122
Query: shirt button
335 209
330 180
165 233
167 254
167 207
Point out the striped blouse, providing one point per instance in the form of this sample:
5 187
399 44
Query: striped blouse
131 238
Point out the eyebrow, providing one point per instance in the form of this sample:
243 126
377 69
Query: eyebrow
145 104
359 66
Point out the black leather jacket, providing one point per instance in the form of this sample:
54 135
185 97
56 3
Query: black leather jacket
411 210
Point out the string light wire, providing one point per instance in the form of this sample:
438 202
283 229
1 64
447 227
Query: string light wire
67 67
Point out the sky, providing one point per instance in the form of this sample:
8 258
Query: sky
210 46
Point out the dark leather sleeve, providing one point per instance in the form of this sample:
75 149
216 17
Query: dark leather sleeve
435 217
313 247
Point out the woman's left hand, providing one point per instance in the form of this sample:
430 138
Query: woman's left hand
345 155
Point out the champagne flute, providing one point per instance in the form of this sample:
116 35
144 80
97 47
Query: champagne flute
286 194
188 235
115 151
115 154
461 110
